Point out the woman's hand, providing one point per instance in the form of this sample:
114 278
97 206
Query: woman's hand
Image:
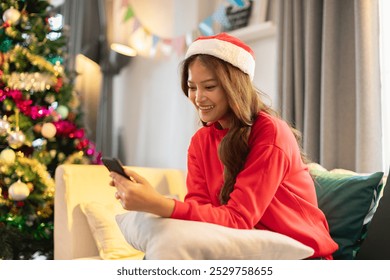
138 195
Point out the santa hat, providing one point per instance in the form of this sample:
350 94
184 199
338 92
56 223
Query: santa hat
227 48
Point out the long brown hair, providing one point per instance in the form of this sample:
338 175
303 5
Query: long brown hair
245 104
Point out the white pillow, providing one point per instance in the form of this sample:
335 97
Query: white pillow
108 237
171 239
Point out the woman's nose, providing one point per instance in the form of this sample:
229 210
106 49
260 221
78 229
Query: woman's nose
199 95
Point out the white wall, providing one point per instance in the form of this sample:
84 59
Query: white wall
265 71
153 120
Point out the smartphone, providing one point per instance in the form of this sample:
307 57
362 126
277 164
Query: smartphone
115 165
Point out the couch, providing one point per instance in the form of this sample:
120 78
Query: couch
87 216
80 184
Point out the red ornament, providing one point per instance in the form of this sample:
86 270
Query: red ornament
20 204
58 85
82 144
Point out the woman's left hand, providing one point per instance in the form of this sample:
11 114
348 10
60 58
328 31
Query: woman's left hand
137 194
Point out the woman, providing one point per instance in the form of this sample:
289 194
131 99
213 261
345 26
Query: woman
245 167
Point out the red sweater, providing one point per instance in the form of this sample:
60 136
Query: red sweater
274 191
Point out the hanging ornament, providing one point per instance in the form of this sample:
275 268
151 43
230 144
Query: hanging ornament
28 39
54 58
25 23
4 126
37 128
30 187
56 22
63 111
8 156
74 103
49 130
5 45
50 98
11 16
71 116
58 68
53 153
19 191
16 138
56 3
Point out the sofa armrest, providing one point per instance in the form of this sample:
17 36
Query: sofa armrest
76 184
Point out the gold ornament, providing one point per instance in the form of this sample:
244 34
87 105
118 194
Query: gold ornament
8 156
16 139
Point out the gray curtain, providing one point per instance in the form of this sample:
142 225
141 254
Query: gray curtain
85 32
328 79
90 24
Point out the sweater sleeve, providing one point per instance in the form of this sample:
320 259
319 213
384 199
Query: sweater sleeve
254 190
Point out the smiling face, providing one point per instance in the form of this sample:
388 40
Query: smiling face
207 94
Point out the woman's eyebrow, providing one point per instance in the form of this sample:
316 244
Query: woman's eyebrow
205 81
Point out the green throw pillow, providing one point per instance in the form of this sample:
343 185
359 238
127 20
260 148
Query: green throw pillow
348 202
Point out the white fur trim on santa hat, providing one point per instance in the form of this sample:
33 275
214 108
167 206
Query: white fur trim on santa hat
226 51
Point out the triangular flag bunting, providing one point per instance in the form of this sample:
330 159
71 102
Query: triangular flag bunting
239 3
206 26
220 17
129 14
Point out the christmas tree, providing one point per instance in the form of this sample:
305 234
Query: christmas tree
40 124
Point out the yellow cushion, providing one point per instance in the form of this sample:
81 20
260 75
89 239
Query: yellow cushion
108 237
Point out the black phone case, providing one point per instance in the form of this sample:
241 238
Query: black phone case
114 165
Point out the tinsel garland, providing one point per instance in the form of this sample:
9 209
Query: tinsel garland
40 62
